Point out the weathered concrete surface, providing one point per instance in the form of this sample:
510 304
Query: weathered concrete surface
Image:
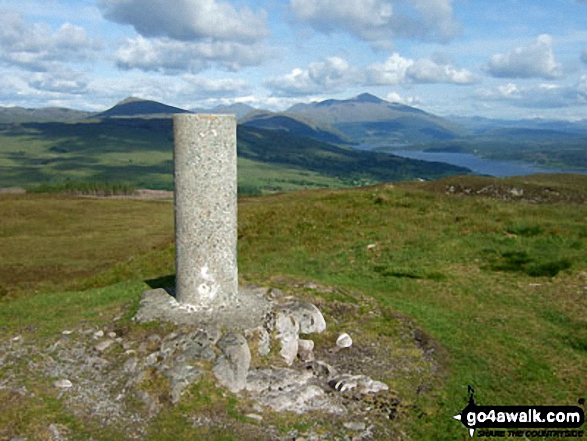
249 312
205 210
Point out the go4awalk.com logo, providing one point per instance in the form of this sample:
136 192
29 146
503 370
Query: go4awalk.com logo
522 421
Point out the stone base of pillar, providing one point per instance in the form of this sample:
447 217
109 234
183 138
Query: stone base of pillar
249 311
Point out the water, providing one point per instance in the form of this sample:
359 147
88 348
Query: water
482 166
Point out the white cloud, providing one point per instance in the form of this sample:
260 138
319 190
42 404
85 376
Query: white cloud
548 96
533 61
187 20
321 77
61 82
395 97
37 47
220 87
166 55
335 74
397 69
375 20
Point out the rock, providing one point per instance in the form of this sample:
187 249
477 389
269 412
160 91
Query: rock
67 332
151 404
63 384
287 333
130 365
58 435
344 341
255 417
261 338
232 366
103 345
362 384
112 335
321 369
308 316
276 293
306 350
194 346
181 377
285 389
358 427
98 334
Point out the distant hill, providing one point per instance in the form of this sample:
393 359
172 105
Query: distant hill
10 115
139 151
238 109
480 125
137 107
296 125
368 119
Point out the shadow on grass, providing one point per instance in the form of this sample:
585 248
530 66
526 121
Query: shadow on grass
165 282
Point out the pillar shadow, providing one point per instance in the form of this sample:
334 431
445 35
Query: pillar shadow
165 282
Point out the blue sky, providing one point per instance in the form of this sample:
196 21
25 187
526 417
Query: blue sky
500 59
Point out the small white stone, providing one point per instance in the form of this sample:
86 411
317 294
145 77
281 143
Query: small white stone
255 417
67 332
103 345
63 384
99 334
112 334
344 341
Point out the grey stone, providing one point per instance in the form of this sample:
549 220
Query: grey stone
99 334
193 346
205 209
358 427
362 384
130 365
308 316
261 338
103 345
63 384
286 389
322 369
287 333
306 350
181 377
232 366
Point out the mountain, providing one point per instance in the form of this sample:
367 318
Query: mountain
480 125
239 109
137 107
369 119
10 115
296 125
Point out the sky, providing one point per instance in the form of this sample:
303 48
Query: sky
508 59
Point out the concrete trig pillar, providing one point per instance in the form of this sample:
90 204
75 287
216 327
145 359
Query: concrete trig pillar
205 210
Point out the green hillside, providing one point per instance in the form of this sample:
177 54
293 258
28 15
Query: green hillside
138 151
464 284
295 125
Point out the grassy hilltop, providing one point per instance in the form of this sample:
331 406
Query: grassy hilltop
489 276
